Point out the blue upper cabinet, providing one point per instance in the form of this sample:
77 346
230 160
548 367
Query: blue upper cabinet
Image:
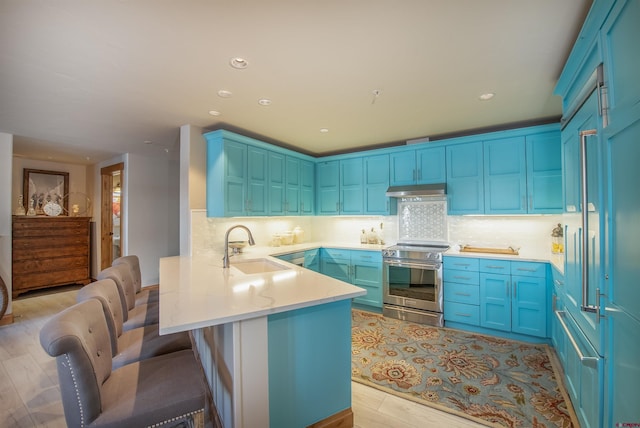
328 187
423 166
544 173
226 178
339 187
431 165
292 188
257 181
465 178
307 187
250 177
276 183
376 183
351 189
523 174
505 176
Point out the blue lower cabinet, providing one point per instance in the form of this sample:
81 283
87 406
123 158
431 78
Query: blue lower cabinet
497 295
461 313
361 268
461 291
312 259
309 364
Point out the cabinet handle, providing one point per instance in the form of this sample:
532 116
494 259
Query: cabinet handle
494 267
586 307
419 173
587 361
301 206
337 206
365 257
530 203
462 264
462 277
507 286
463 294
413 175
515 289
527 269
524 203
463 315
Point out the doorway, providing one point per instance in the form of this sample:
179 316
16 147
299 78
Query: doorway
111 215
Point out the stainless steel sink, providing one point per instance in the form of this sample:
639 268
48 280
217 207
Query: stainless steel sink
257 266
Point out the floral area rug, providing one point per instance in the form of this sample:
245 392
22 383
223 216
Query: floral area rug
493 381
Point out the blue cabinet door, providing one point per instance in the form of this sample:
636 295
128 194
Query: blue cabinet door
431 165
465 178
257 181
312 259
328 187
376 183
235 178
336 266
276 183
495 301
292 186
544 173
307 187
402 168
351 189
528 309
505 176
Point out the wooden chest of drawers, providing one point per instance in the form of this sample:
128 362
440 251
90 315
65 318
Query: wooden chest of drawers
49 251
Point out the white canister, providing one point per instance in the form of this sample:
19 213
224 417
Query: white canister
298 235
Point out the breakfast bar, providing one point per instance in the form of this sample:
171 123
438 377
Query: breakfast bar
274 339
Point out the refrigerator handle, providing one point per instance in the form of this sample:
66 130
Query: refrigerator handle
586 307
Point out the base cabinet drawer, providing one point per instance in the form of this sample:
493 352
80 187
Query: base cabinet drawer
462 293
461 312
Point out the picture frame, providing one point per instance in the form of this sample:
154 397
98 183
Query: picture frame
41 186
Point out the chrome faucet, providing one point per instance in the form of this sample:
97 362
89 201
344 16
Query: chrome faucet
225 259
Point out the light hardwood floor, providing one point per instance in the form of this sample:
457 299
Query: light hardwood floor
30 397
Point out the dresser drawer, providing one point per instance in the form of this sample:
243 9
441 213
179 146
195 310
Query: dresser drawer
461 312
495 266
461 276
366 256
462 293
336 253
529 269
461 263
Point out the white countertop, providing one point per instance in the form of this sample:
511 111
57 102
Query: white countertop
197 291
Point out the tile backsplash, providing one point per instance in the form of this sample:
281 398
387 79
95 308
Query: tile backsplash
529 233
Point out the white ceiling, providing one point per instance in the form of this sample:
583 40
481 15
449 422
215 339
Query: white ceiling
97 78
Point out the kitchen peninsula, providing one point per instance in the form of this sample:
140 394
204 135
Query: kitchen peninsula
274 338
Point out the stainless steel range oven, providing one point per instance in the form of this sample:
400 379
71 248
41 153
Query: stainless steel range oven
412 283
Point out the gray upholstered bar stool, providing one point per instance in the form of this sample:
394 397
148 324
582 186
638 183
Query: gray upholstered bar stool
168 390
136 344
133 316
143 295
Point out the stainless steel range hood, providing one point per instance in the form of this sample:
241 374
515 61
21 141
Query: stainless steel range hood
438 189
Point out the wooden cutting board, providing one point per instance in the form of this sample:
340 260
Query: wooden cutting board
470 249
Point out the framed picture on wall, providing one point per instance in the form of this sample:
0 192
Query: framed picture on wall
40 187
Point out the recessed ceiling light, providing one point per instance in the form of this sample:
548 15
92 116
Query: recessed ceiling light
238 63
324 130
214 113
487 96
264 101
222 93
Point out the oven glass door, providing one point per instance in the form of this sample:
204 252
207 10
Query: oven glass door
412 285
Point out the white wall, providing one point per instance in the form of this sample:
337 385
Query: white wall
151 212
193 174
6 165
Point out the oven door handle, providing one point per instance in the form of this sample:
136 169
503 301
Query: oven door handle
431 266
